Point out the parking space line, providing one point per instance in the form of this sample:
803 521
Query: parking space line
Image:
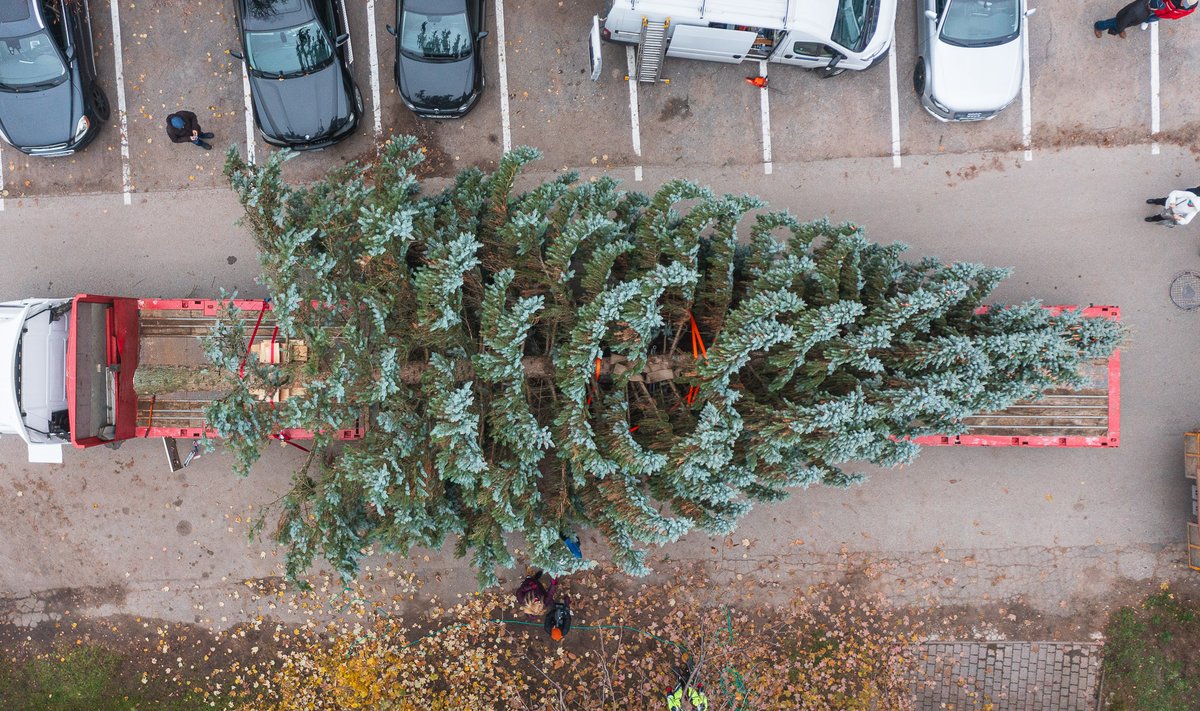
894 97
249 114
126 181
373 45
1 182
634 122
766 119
1026 107
505 120
1154 107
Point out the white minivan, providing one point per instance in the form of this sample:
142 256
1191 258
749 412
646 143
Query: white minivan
829 36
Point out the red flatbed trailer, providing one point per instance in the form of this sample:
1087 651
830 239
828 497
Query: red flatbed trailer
1084 417
110 337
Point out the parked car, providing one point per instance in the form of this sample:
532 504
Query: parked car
300 84
971 56
439 69
50 103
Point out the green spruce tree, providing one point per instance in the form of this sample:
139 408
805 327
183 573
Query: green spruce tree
527 363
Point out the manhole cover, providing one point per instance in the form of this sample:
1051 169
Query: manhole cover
1185 290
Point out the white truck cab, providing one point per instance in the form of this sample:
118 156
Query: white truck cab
829 36
33 357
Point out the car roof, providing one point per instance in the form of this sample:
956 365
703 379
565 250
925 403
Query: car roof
275 14
434 7
19 17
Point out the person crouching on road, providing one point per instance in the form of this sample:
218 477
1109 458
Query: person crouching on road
1178 208
182 127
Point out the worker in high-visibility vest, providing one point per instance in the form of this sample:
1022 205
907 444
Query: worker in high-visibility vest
696 700
686 697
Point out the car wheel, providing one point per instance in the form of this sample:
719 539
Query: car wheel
358 100
826 72
919 77
100 103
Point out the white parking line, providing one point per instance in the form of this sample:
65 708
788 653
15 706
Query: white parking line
126 182
249 114
373 45
1154 108
1 182
894 97
635 124
1026 107
505 120
766 119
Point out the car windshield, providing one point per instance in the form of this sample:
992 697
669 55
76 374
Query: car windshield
435 36
292 51
855 23
981 23
31 60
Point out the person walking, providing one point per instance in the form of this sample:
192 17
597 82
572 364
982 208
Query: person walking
1178 208
183 127
1135 13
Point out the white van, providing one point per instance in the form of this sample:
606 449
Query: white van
829 36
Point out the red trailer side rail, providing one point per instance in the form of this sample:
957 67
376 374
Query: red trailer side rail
1086 417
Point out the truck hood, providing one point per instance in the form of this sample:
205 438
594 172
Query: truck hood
976 78
12 320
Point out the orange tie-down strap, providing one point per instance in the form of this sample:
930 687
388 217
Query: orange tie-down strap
698 352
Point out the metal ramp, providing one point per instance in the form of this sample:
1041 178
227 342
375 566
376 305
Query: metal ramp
652 49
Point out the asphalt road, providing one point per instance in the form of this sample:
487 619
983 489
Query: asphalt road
1053 529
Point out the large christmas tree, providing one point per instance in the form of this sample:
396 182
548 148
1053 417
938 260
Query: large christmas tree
577 357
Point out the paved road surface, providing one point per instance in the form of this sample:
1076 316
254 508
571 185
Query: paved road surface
1046 530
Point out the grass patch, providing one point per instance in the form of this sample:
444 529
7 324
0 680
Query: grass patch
1152 655
80 678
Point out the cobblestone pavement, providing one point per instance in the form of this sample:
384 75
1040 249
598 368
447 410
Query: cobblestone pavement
1008 676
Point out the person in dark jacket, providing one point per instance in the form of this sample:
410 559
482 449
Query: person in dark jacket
1135 13
558 620
183 127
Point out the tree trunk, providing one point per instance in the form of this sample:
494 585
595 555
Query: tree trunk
162 379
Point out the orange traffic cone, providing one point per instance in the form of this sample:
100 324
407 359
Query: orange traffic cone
760 82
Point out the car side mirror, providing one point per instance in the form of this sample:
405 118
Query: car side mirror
481 36
1030 11
342 39
931 15
391 30
70 54
235 55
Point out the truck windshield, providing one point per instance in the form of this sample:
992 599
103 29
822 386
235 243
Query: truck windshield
854 23
31 60
296 50
434 37
981 23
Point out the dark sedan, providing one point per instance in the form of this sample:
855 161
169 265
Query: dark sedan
300 84
50 104
438 67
